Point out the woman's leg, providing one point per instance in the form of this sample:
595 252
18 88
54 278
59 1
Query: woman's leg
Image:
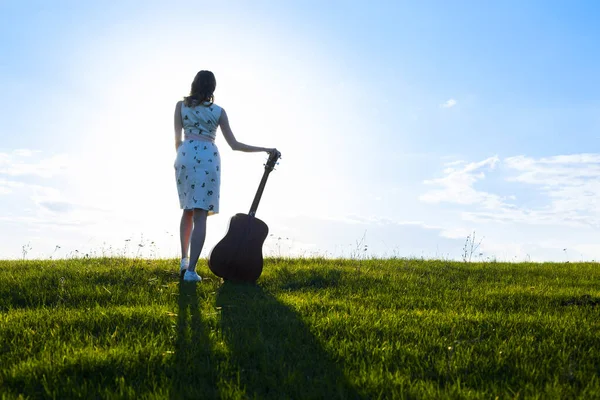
198 236
185 231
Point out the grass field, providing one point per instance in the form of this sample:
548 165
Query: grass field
311 328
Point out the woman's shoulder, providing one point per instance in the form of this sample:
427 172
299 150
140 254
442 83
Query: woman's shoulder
217 110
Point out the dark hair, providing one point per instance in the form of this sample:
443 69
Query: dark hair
202 90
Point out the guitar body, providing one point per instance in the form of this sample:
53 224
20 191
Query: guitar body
238 256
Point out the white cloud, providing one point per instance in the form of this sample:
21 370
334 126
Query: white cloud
372 220
449 103
20 163
457 185
454 163
25 152
456 233
11 186
551 205
31 204
57 206
555 171
569 184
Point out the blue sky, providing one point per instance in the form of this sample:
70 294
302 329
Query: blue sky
404 125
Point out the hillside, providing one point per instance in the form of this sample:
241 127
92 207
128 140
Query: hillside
311 328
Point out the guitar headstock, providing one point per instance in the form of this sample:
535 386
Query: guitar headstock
272 161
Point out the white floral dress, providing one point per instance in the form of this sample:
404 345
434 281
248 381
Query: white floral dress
198 163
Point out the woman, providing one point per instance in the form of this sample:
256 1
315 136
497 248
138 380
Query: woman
198 165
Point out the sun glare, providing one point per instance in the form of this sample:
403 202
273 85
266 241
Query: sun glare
127 168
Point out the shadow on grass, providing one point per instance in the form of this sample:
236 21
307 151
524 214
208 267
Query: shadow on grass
193 375
273 353
584 300
307 280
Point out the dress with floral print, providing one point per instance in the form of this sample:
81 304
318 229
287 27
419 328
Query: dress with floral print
198 163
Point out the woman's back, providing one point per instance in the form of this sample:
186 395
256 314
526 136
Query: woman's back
200 121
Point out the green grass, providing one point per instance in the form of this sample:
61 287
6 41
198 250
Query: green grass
311 328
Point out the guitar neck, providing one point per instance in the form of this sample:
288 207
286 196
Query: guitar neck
259 193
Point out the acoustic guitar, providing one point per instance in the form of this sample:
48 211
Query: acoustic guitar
238 256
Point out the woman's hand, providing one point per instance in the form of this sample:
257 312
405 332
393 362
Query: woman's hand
273 150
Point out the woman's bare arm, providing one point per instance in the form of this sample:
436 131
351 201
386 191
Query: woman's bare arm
232 141
178 125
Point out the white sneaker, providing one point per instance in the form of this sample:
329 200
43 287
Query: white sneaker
183 266
191 276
